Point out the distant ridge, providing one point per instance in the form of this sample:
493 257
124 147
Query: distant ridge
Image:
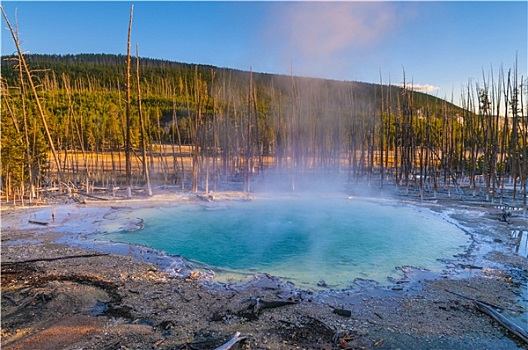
108 68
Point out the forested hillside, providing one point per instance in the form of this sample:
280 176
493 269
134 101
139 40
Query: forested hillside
203 127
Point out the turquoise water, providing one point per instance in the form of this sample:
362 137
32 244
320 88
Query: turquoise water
302 239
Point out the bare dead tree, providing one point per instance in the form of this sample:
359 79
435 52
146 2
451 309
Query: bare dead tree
26 132
249 146
524 138
40 109
128 165
142 127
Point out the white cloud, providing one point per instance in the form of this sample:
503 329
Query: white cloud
327 36
427 88
323 29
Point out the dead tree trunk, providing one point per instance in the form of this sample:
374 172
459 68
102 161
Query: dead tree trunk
142 128
128 165
26 133
37 100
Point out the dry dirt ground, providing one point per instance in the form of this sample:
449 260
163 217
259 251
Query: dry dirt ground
92 300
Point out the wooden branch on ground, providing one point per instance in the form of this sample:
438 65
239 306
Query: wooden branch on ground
474 299
502 320
29 300
10 298
90 196
256 305
7 263
182 296
341 312
41 223
470 266
206 197
324 325
235 339
275 303
48 189
76 198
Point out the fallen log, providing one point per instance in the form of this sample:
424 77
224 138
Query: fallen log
76 198
206 197
474 299
256 305
49 189
10 298
90 196
470 267
7 263
275 303
41 223
342 312
158 343
182 296
29 300
236 338
378 342
502 320
324 325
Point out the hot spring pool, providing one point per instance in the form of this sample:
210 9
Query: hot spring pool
301 239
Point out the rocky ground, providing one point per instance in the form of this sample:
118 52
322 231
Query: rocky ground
57 296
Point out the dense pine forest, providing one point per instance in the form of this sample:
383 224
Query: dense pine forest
107 122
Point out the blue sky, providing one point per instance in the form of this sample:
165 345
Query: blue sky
439 44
